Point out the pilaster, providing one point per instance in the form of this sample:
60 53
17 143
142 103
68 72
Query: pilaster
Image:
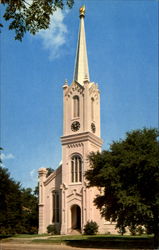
42 177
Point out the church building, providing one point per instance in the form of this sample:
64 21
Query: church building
64 198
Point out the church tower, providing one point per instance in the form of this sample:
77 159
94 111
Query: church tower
65 201
81 135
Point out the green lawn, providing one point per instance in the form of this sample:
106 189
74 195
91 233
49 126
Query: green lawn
102 241
29 235
92 241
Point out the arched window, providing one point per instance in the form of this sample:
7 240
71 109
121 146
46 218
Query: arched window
76 108
56 203
76 169
92 109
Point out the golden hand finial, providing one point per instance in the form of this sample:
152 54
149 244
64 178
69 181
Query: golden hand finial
82 11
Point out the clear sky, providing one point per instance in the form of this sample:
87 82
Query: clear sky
122 41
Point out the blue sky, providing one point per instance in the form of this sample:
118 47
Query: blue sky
122 39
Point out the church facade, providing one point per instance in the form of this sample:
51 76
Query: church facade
64 198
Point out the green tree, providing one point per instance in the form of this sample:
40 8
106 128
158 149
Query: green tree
36 191
49 171
128 175
1 156
18 206
10 205
30 210
31 16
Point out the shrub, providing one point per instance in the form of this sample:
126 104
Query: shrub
33 230
51 229
107 233
140 230
122 230
149 229
132 230
91 228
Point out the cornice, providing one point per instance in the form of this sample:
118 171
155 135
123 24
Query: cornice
81 137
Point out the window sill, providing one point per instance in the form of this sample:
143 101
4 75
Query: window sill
75 118
75 183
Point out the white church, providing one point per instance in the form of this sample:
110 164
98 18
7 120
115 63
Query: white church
64 198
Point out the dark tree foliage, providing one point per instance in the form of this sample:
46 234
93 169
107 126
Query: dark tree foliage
31 16
10 205
36 191
49 171
1 155
30 211
18 207
128 175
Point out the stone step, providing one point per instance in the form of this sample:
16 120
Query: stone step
75 232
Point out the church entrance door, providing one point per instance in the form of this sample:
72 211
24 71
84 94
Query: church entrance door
76 217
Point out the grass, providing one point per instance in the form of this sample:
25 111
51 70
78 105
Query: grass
102 241
29 235
101 237
19 236
91 241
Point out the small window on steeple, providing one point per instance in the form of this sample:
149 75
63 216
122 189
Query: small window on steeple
76 106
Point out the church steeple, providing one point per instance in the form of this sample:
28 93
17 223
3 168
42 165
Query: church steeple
81 72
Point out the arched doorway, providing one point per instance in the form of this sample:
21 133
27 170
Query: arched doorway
76 217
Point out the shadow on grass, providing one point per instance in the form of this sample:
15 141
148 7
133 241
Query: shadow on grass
112 243
5 236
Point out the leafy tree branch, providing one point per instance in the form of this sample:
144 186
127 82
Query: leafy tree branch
31 16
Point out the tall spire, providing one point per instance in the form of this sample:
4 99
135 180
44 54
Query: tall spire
81 72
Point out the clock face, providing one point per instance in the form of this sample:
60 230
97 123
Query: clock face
93 127
75 126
